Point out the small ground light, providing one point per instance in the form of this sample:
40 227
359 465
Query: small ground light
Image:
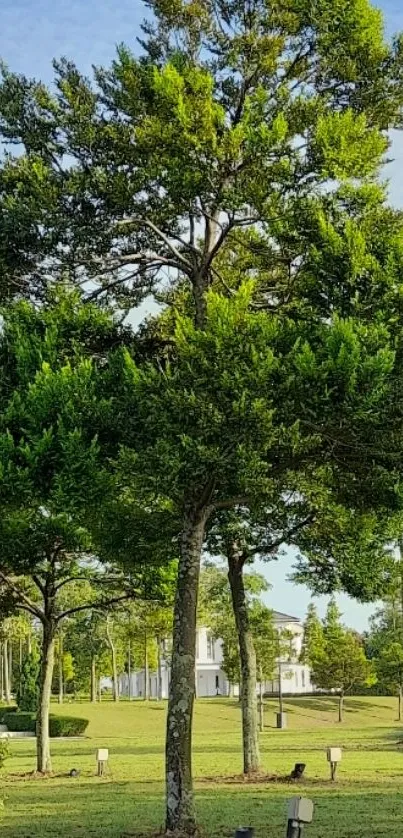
298 770
299 812
102 759
333 757
244 832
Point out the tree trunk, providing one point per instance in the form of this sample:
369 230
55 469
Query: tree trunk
10 666
61 684
43 760
21 654
146 672
250 735
100 691
1 672
180 814
159 670
231 691
7 691
400 695
93 679
341 706
261 705
129 669
115 684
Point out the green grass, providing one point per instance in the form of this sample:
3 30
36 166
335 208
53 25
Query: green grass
366 800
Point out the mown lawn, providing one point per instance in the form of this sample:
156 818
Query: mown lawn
367 799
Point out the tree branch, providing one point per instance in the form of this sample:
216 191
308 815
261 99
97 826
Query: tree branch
146 222
28 604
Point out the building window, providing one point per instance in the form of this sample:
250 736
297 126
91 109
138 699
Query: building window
210 647
303 678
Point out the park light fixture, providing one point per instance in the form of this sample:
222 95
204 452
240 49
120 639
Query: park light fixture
333 757
102 759
299 812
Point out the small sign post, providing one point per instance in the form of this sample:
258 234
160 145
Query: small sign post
299 812
333 757
102 759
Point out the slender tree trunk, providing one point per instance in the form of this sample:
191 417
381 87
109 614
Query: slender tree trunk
2 672
100 691
61 652
43 760
231 691
93 678
10 666
180 814
261 704
146 672
20 653
129 669
159 670
280 687
341 706
115 684
7 691
29 644
400 695
250 734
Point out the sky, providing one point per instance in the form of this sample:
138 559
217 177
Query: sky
33 32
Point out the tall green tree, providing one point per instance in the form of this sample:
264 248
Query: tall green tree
313 638
50 472
244 141
341 663
265 641
384 642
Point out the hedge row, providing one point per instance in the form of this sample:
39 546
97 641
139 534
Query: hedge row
5 710
58 725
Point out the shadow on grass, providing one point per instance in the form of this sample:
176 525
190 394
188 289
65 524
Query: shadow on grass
110 810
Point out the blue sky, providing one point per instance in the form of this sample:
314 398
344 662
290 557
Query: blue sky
32 32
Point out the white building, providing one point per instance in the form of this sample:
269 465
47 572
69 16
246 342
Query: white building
210 678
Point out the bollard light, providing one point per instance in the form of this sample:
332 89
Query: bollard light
102 759
299 812
244 832
333 757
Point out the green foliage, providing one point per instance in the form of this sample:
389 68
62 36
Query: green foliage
341 662
67 726
313 638
7 709
28 685
58 725
384 642
4 751
21 721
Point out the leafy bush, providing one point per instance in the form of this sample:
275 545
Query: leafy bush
5 710
67 726
28 687
20 721
58 725
4 751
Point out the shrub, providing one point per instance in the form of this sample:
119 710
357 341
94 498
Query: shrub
5 710
20 721
58 725
28 687
4 751
67 726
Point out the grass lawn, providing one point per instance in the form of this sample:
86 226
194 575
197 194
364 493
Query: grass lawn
366 800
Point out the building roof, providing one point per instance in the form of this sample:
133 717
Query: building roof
285 618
